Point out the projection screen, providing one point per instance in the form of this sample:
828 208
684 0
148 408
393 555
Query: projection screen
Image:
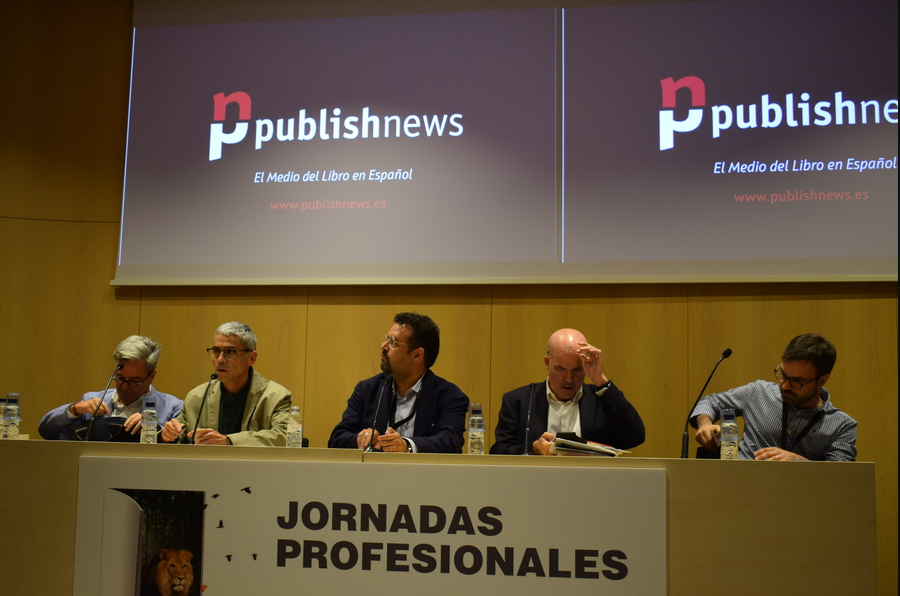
684 141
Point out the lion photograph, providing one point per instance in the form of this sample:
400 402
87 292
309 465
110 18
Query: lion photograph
174 572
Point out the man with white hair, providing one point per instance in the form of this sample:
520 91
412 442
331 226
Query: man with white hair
563 403
241 407
136 357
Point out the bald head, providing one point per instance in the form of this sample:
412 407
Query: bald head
565 369
565 340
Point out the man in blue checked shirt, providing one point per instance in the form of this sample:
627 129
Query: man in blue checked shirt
792 418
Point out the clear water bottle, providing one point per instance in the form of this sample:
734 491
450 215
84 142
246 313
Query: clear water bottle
476 430
11 417
295 428
730 434
149 420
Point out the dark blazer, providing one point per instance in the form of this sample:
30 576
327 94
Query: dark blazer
440 415
608 419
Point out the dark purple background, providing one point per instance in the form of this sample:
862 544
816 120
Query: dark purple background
630 201
487 195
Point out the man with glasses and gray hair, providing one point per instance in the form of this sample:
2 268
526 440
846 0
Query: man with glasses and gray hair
136 358
789 419
239 405
407 408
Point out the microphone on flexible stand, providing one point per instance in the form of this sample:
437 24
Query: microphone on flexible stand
90 426
684 437
212 378
526 450
370 447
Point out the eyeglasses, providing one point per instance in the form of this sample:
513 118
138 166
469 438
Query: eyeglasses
391 342
227 353
794 384
120 380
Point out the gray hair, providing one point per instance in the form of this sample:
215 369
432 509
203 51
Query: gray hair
235 328
138 347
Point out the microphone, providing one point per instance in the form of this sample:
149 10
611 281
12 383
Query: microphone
90 426
370 447
527 451
212 378
684 437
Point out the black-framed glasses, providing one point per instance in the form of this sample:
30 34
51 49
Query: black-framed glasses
120 380
795 384
227 353
391 342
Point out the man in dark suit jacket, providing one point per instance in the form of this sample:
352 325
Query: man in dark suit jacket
416 410
564 403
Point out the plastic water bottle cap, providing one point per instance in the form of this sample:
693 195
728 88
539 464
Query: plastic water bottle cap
727 415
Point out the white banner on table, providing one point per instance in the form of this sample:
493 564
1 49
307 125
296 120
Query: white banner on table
290 527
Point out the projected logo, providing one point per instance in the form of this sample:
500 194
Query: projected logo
796 110
331 124
668 124
217 134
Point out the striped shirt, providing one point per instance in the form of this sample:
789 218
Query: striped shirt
832 436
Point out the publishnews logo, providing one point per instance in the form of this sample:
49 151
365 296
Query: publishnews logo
325 124
792 110
217 134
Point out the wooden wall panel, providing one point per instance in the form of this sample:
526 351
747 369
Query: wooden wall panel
66 68
61 320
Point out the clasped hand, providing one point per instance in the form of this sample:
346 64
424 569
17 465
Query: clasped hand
172 429
390 441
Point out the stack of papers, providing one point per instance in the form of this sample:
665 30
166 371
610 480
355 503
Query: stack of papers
574 447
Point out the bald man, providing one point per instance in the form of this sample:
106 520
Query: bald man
565 403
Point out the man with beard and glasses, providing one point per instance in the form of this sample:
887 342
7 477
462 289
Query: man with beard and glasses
406 408
564 403
790 419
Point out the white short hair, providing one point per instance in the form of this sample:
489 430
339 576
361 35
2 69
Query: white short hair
235 328
138 347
